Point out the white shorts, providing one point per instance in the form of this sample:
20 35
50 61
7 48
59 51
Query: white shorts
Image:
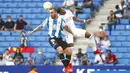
69 38
79 32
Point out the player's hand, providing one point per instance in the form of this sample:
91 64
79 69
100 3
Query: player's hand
30 32
88 21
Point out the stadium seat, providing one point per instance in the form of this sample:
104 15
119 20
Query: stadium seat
49 55
3 5
41 38
36 22
15 44
87 10
26 10
2 38
115 33
7 10
26 55
112 38
113 49
115 44
96 5
125 33
4 44
35 44
120 27
17 0
12 5
119 55
9 38
122 50
121 38
31 38
45 44
5 33
125 44
126 55
89 50
50 50
123 61
91 55
22 5
31 5
124 21
17 10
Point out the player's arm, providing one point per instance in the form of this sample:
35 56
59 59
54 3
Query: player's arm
38 27
81 20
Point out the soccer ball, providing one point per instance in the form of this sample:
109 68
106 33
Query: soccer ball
47 5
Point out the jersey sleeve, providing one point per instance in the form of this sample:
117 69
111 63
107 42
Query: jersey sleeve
45 22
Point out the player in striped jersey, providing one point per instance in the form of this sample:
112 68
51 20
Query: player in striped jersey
56 24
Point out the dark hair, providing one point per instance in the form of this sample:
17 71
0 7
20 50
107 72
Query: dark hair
58 9
108 51
117 6
100 27
53 9
21 16
6 49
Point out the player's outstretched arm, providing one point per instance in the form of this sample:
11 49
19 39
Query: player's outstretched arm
81 20
36 29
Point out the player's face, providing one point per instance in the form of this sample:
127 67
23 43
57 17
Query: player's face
53 13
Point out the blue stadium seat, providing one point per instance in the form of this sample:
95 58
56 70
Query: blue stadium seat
31 5
125 44
84 16
124 21
31 38
115 33
5 33
17 10
3 5
4 44
96 5
2 38
125 33
15 44
22 5
7 0
36 10
45 44
26 10
27 0
36 22
113 49
50 50
123 61
12 5
87 10
16 33
121 38
35 44
112 38
41 38
115 44
120 27
126 55
26 55
45 33
17 0
122 50
99 1
39 5
49 55
40 16
119 55
9 38
7 10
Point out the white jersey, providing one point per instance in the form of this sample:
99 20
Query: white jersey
68 18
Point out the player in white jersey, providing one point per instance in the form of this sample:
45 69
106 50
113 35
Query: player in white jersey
69 18
56 24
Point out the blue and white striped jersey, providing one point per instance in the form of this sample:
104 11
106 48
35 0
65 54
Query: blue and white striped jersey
55 26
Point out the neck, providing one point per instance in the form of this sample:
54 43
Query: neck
55 17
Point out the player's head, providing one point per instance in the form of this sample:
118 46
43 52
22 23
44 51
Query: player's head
20 17
9 18
61 11
53 13
108 52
